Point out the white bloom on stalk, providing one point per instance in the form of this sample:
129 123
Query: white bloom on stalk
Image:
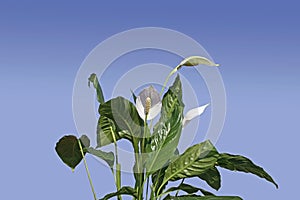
148 103
191 114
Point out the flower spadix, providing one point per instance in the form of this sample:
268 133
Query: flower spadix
148 103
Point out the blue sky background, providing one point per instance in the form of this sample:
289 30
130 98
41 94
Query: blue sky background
43 43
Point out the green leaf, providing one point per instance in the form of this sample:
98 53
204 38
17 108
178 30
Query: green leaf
108 157
123 191
68 149
124 115
195 161
93 79
243 164
166 133
194 197
196 60
188 189
133 96
107 133
212 177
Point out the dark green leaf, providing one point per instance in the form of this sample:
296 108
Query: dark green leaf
133 96
188 189
195 161
107 133
194 197
124 115
212 177
93 78
166 134
123 191
108 157
243 164
68 149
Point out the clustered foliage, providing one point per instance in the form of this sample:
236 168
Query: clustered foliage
157 160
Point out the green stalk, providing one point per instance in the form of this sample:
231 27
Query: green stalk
87 170
118 166
167 79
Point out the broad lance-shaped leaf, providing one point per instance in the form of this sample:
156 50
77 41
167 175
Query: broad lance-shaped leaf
93 79
194 197
68 149
188 189
196 60
108 157
166 133
118 116
195 161
123 191
243 164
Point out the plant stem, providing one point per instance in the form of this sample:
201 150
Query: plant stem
118 166
87 170
167 79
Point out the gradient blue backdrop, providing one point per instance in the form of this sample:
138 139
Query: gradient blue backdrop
42 44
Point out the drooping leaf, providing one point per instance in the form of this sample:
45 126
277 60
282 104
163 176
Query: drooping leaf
93 79
212 177
195 161
123 191
108 157
188 189
196 60
166 133
243 164
68 149
195 197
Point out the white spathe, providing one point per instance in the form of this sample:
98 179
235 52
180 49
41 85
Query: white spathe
156 104
153 112
191 114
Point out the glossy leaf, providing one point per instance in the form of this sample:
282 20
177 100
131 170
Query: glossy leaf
188 189
106 132
94 80
108 157
195 161
243 164
194 197
166 133
124 115
196 60
68 149
123 191
212 177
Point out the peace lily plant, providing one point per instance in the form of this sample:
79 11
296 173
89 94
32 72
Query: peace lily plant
157 159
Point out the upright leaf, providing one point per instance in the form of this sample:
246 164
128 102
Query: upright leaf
166 133
93 79
68 149
195 161
243 164
123 191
